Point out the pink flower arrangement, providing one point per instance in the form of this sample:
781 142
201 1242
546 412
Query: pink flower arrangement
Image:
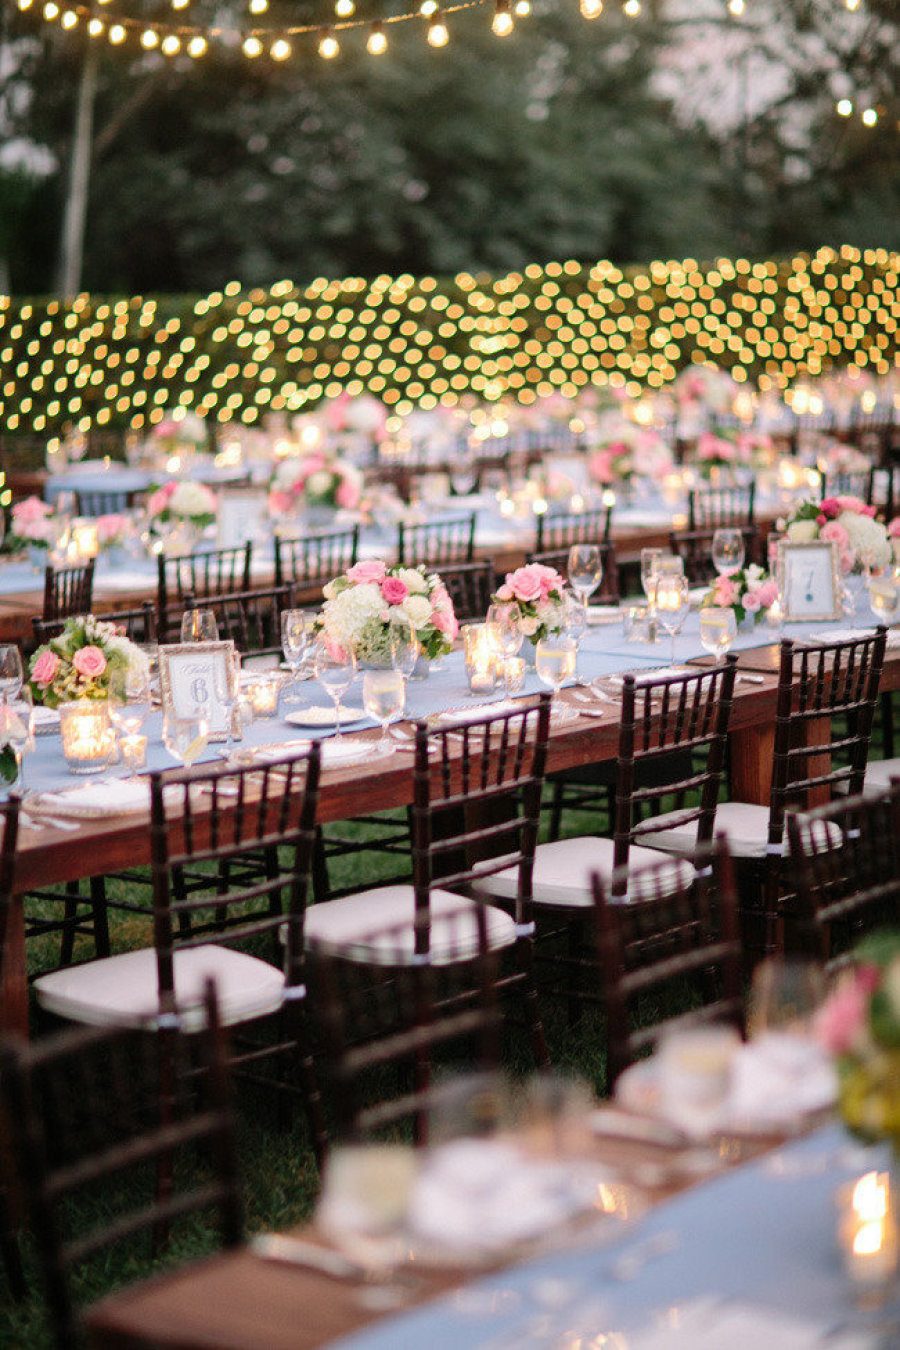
633 453
894 528
315 479
112 529
90 662
43 671
538 595
362 606
32 520
840 1022
849 523
81 662
748 591
715 450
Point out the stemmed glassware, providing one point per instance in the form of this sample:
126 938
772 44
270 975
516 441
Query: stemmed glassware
505 636
129 700
12 674
17 736
199 625
555 660
672 606
227 689
384 698
650 558
335 669
404 646
718 630
297 634
727 551
585 569
185 735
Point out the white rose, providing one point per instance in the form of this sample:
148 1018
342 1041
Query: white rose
318 484
417 609
413 580
528 626
803 531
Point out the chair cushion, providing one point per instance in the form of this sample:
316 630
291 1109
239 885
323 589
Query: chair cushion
123 990
879 775
745 824
347 926
563 868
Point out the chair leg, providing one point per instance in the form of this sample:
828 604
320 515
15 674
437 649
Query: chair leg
575 945
556 810
70 918
99 916
320 886
10 1255
534 1022
887 725
309 1079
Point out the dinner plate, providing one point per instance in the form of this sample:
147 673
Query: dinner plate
322 715
336 754
600 614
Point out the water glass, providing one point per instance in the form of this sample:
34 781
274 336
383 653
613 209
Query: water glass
785 993
130 700
672 606
297 635
884 596
199 625
650 570
335 669
555 659
16 736
12 674
504 635
404 646
728 551
384 698
185 735
718 630
585 569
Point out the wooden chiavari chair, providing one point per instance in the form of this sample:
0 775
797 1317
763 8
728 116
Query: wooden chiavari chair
215 815
608 592
844 873
218 572
401 1017
686 933
850 484
694 547
434 543
721 507
99 502
561 529
138 624
250 619
86 1109
477 791
823 725
470 587
309 563
68 591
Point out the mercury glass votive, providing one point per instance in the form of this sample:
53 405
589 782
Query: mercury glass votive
262 694
867 1230
512 669
88 738
133 750
85 538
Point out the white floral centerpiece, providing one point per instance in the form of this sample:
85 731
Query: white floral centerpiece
174 502
361 604
80 663
630 452
34 525
314 480
848 522
174 435
537 595
721 450
749 592
706 387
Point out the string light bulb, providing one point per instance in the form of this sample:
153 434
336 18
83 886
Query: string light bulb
852 5
344 9
377 41
117 34
197 46
502 22
844 107
170 45
149 39
258 6
522 9
870 117
96 27
632 8
736 8
180 4
24 4
329 47
438 32
428 7
280 49
51 10
69 19
591 9
252 47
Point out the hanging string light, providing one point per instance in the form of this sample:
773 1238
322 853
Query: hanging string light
502 24
376 45
329 47
438 32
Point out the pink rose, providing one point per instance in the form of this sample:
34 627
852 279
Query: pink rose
445 622
842 1018
600 466
347 494
45 667
831 507
30 510
363 572
768 594
524 584
89 662
309 465
894 528
110 527
158 501
725 592
751 602
834 533
394 591
280 503
505 594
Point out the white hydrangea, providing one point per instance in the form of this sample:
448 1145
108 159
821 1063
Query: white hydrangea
191 499
417 609
414 581
803 531
319 484
346 614
868 539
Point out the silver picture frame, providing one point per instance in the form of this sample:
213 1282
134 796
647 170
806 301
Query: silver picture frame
189 675
810 581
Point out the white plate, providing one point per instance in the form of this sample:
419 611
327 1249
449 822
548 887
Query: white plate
320 715
599 614
657 673
335 753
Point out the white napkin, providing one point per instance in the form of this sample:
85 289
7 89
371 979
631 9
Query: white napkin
117 797
600 614
779 1078
646 676
711 1324
322 715
334 753
453 716
487 1194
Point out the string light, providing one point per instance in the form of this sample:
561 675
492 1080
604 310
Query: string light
51 10
522 9
180 4
428 7
280 49
69 19
96 27
258 6
502 24
736 8
329 47
870 117
376 44
117 34
591 9
252 47
24 4
844 107
344 9
852 5
170 45
438 32
197 46
632 8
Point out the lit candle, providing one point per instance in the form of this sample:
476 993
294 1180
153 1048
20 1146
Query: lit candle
263 695
85 540
133 750
868 1230
513 673
88 739
481 658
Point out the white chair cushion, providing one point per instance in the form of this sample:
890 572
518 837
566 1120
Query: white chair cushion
563 868
745 824
347 925
878 776
123 991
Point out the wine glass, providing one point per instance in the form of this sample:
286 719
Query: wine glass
404 646
585 569
384 698
297 634
335 669
16 736
129 699
12 673
185 734
672 605
650 570
555 659
199 625
718 630
505 636
727 551
227 686
785 993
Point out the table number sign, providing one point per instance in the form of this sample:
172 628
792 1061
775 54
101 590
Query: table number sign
241 518
194 678
810 581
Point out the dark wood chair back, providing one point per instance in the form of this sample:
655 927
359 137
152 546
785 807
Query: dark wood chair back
87 1109
884 490
682 927
383 1028
694 547
856 483
844 873
103 503
137 624
826 702
715 507
470 587
437 542
608 592
250 619
311 562
68 591
561 529
671 724
218 572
